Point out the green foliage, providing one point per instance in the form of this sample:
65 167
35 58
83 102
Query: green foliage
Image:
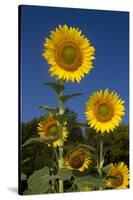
58 87
67 97
75 136
29 129
72 116
68 116
87 147
106 168
39 181
116 144
47 140
49 109
64 174
38 158
26 160
23 176
32 141
29 192
91 180
40 154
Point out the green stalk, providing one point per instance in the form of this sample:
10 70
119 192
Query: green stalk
101 160
60 161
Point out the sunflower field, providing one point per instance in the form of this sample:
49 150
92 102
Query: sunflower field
60 154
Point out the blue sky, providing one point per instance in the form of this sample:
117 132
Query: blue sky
107 31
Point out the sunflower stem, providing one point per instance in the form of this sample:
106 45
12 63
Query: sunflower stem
60 160
101 160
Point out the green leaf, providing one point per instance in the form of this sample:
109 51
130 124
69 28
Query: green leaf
92 181
23 176
32 141
47 108
58 87
64 174
67 97
38 182
64 117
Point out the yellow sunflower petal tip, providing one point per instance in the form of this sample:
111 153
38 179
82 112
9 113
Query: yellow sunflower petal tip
69 53
104 111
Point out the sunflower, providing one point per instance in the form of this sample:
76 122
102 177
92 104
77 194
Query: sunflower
69 53
121 176
104 110
48 128
78 159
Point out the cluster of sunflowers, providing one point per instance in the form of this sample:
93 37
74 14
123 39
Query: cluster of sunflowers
70 56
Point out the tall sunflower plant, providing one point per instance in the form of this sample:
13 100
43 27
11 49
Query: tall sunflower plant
70 56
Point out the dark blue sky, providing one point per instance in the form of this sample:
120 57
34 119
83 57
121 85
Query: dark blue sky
107 31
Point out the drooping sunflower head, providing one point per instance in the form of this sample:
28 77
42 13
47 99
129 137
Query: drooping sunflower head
104 110
48 128
78 159
119 174
69 53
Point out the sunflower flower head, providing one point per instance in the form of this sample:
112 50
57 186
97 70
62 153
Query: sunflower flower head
48 128
119 174
78 159
69 54
104 111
